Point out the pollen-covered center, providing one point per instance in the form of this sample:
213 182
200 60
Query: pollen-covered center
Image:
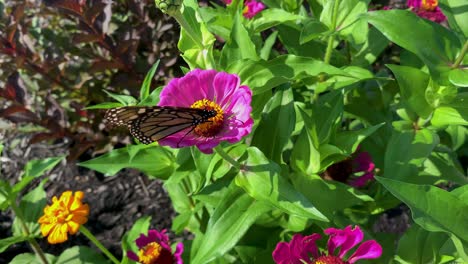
429 5
213 124
329 260
150 253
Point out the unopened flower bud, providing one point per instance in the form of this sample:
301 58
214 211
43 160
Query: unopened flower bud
169 7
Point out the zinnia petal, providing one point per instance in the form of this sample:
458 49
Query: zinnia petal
346 238
368 250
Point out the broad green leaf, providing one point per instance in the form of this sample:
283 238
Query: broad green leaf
31 207
80 255
328 197
441 166
350 140
239 46
271 17
454 113
326 115
217 20
312 30
262 76
233 216
277 122
34 169
125 100
197 26
152 99
7 242
104 106
417 35
305 156
261 179
371 49
432 208
154 160
413 83
145 87
459 77
406 151
347 23
418 246
29 258
455 11
290 35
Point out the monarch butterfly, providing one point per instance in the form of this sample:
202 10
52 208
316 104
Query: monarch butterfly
153 123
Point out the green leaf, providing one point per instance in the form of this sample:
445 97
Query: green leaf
413 83
459 77
104 106
328 196
326 114
278 121
29 258
376 43
153 160
455 11
271 17
261 179
34 169
262 76
347 23
125 100
350 140
32 207
239 46
312 30
5 243
406 151
434 209
233 216
418 246
454 113
145 87
218 21
80 255
290 35
417 35
268 45
152 99
441 166
305 156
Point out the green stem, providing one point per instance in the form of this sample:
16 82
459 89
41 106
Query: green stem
227 158
460 58
35 246
331 38
98 244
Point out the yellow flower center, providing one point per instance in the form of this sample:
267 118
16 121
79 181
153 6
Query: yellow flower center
429 5
246 10
150 253
329 260
214 124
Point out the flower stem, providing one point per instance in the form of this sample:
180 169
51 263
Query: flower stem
331 38
35 246
227 158
460 58
98 244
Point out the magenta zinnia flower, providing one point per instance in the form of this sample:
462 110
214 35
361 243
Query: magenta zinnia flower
304 250
428 9
211 90
252 8
155 248
356 171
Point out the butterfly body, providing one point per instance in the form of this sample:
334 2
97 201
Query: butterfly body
153 123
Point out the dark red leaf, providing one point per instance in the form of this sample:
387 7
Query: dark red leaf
102 65
18 113
75 6
14 89
85 38
44 136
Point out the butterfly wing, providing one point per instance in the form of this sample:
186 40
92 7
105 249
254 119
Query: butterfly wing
149 124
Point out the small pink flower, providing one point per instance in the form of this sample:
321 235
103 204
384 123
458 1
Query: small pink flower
155 248
304 250
252 8
227 2
428 9
210 90
363 164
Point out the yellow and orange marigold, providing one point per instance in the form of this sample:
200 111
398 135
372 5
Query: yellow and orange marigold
65 215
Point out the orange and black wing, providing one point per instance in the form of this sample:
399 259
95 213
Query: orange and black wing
149 124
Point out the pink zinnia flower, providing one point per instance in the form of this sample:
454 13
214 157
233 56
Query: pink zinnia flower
155 248
252 8
210 90
304 250
427 9
356 171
